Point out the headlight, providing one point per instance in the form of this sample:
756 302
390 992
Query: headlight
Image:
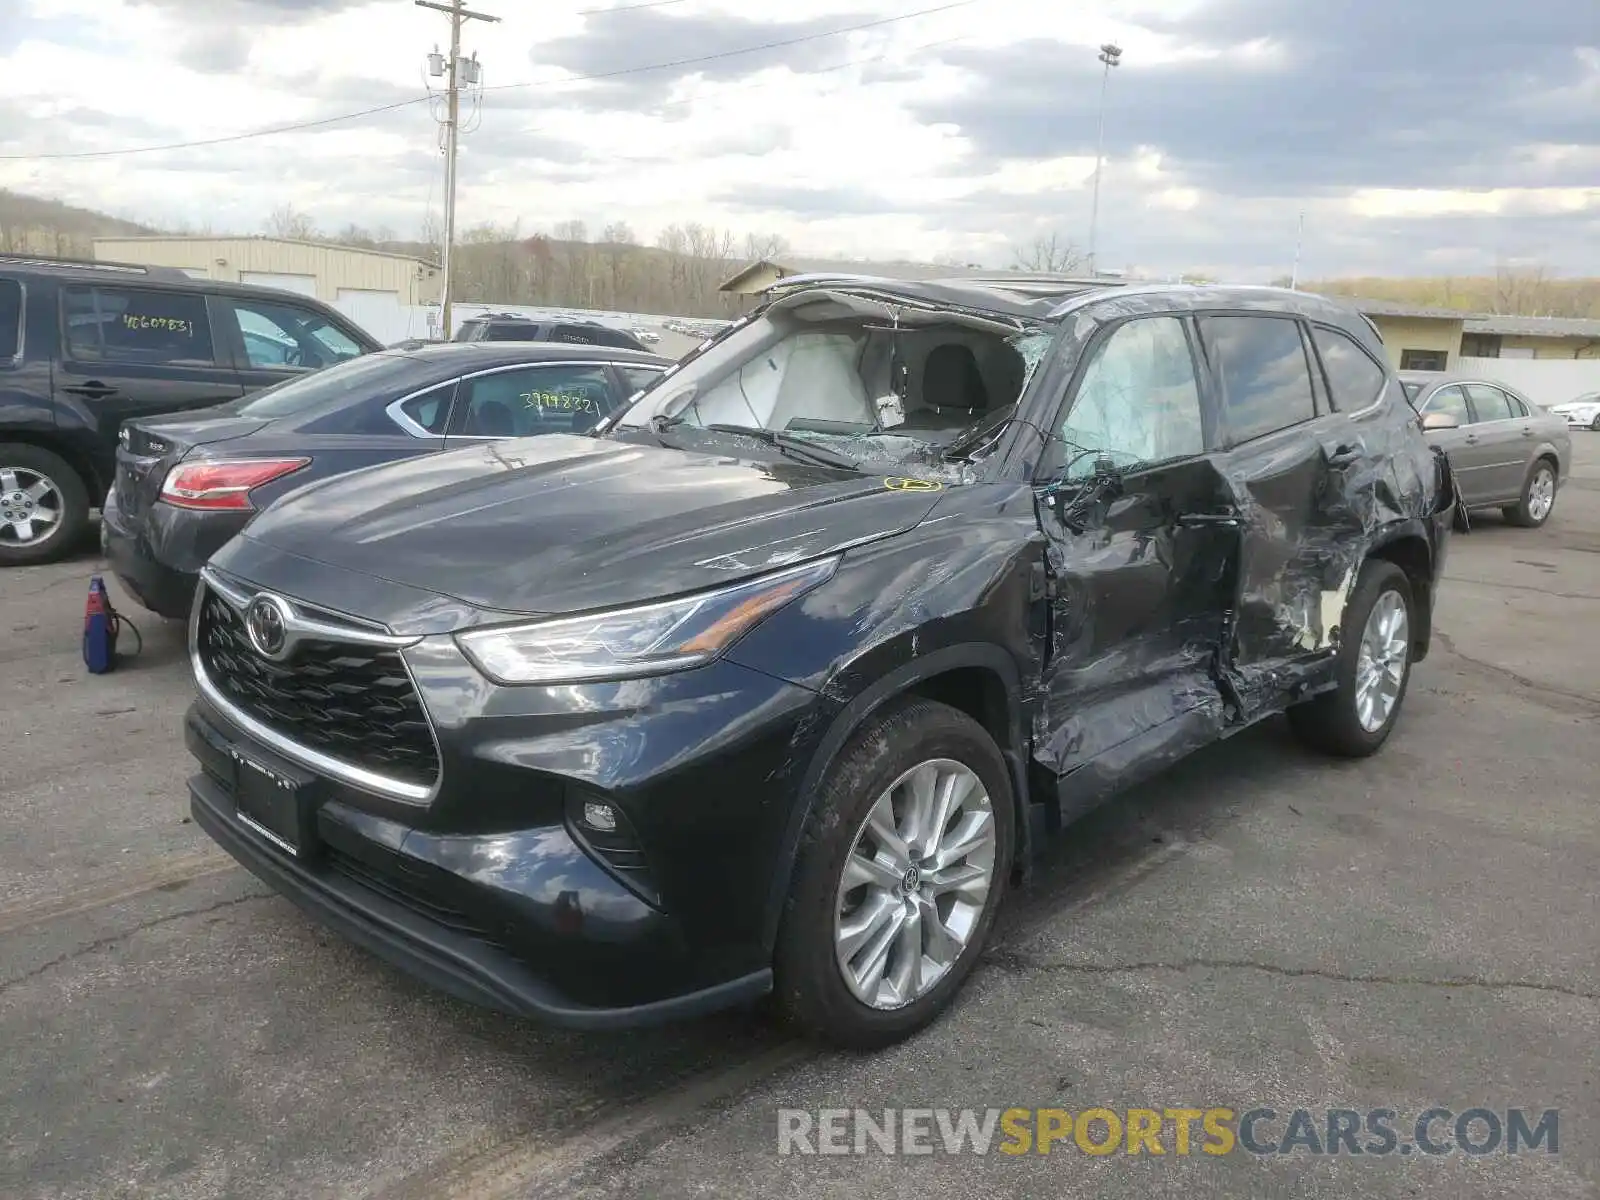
630 642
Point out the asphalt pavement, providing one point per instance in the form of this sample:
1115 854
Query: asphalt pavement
1257 929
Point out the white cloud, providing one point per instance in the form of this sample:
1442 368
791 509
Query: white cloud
824 143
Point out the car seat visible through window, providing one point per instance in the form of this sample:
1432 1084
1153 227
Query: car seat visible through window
953 391
492 419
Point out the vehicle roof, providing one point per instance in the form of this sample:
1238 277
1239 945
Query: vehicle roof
503 354
75 268
87 271
1046 297
1431 379
521 319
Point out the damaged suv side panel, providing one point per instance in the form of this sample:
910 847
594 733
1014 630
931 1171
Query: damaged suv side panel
1198 592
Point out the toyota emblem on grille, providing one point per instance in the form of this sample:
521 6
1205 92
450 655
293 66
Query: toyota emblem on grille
266 622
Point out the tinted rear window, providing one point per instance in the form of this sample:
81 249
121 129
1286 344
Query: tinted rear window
10 318
1266 381
354 379
135 325
593 335
511 331
1355 379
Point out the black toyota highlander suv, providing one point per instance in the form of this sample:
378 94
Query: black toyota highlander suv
773 683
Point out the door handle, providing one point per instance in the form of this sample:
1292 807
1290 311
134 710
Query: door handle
1527 431
1343 456
1208 520
1472 439
92 390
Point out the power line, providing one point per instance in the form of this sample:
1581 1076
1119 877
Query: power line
597 12
722 54
219 141
322 122
756 87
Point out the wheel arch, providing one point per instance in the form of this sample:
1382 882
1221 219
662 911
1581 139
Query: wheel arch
68 453
979 679
1407 547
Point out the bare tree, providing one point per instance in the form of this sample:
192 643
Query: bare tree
1524 291
356 235
287 221
758 246
1050 253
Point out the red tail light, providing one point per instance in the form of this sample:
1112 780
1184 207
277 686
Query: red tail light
223 485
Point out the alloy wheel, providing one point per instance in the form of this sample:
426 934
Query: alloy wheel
1541 493
915 883
1381 660
30 506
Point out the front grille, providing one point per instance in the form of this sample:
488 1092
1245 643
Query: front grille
351 701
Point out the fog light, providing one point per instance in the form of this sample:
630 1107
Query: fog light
597 815
607 835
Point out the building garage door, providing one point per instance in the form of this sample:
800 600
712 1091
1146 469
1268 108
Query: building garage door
306 285
378 312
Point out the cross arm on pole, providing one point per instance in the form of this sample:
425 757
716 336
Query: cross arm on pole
454 11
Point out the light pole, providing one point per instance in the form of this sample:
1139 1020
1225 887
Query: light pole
1111 55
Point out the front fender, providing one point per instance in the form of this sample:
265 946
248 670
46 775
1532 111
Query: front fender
884 689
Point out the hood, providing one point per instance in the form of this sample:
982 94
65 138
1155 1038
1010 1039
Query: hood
558 524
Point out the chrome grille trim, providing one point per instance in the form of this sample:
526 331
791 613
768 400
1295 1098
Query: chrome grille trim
296 752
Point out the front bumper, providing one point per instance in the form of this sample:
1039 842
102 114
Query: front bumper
487 883
358 874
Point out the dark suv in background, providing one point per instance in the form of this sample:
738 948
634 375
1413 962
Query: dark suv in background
773 682
85 346
510 327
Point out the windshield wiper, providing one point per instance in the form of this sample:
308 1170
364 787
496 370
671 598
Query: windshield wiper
778 439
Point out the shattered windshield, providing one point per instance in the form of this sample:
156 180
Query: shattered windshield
853 376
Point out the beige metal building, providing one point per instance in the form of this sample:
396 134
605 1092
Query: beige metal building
329 272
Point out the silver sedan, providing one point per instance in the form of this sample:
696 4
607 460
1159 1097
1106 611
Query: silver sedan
1507 452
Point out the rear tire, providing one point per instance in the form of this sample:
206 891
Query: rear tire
44 505
1345 722
1538 496
1594 425
908 933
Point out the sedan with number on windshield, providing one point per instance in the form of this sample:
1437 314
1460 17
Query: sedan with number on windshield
185 485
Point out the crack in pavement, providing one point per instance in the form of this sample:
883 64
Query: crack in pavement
1521 587
113 938
1010 960
1534 685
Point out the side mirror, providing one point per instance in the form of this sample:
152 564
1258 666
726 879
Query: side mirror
1439 420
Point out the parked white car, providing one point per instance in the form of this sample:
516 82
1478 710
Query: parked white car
1582 413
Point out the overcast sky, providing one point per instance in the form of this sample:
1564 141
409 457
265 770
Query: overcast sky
1417 136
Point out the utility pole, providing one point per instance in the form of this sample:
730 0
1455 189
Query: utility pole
1111 55
458 14
1299 237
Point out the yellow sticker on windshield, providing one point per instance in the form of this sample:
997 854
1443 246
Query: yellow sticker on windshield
895 484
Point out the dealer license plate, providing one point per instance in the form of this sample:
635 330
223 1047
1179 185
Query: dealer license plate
269 804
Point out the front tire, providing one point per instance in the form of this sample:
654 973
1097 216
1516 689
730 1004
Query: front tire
1371 671
1538 496
44 505
902 866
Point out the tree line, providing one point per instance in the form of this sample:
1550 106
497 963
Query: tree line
574 266
570 266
